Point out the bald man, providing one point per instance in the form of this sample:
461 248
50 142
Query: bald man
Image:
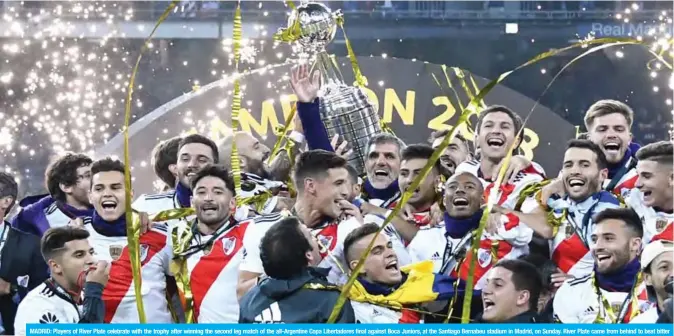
258 176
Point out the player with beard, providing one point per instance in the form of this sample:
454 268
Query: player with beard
405 226
164 162
258 177
583 171
656 262
194 153
215 251
68 179
322 182
107 235
457 152
653 197
448 245
607 294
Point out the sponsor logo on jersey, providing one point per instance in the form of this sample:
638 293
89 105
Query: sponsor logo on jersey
116 252
228 245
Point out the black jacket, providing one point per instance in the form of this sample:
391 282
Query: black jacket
526 317
22 266
289 301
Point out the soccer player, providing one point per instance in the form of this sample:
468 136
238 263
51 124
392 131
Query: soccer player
289 255
497 130
322 182
67 179
456 152
164 162
511 292
216 247
658 271
449 244
194 153
583 172
414 158
73 293
606 295
653 197
608 123
107 235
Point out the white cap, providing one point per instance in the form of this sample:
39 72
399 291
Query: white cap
653 250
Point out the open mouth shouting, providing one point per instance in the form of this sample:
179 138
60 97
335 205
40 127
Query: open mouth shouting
495 142
209 209
612 147
392 267
382 174
487 304
109 209
604 259
460 202
575 183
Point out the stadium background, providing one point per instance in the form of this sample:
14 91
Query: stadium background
467 34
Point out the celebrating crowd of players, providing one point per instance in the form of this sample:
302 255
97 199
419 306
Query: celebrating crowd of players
591 245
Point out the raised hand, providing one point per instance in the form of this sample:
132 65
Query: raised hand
305 85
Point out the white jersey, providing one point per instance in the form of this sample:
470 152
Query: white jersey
571 244
657 224
119 295
46 304
650 316
624 182
213 265
509 194
368 313
329 235
577 301
509 242
154 204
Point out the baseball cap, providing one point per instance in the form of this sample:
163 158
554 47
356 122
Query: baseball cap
653 250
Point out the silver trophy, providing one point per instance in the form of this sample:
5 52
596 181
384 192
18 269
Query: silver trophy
345 110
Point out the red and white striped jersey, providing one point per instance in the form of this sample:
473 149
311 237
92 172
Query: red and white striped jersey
577 301
368 313
509 193
657 224
213 265
119 295
619 184
571 245
330 235
509 242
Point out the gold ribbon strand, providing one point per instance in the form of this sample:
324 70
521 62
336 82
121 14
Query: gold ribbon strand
236 102
133 227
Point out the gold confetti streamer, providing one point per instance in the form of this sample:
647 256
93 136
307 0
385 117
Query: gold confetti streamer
133 226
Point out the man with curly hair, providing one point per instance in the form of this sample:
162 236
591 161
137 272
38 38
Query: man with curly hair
67 180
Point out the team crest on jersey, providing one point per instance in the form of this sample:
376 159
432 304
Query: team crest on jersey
116 252
324 243
569 231
228 245
660 224
144 248
483 257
